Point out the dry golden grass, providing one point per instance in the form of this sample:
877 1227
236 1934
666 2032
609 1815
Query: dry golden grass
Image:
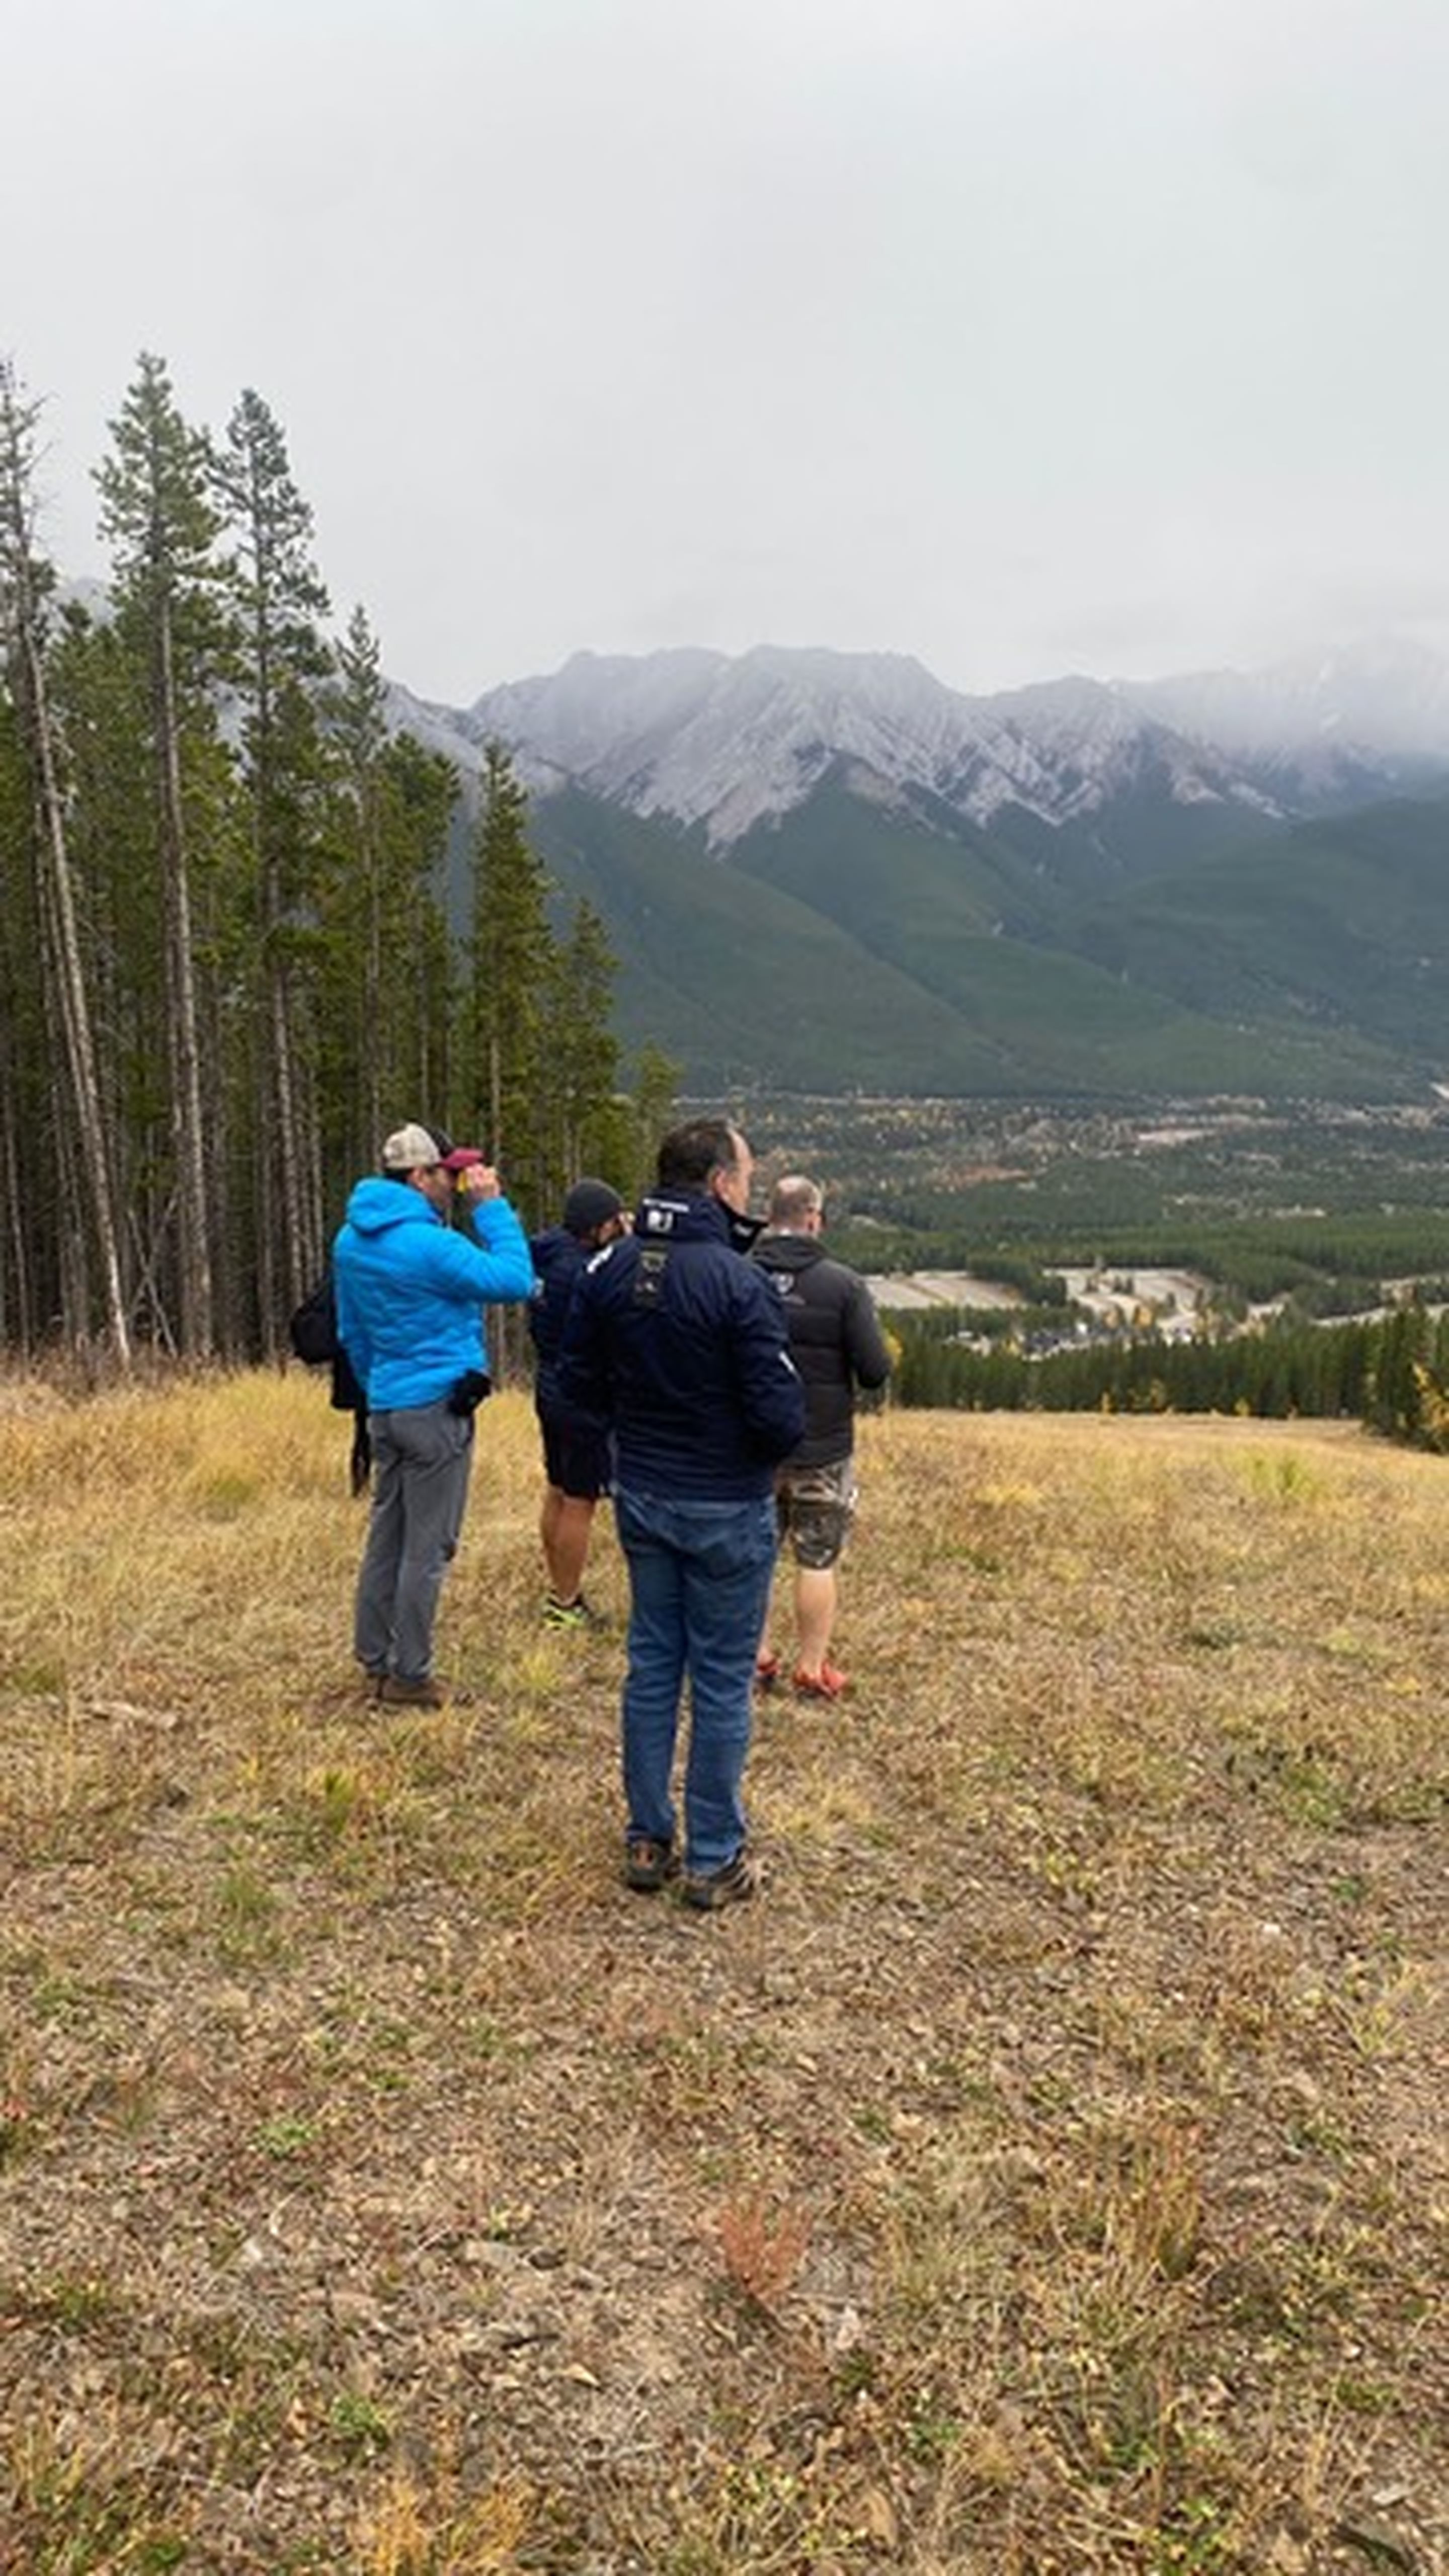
1049 2174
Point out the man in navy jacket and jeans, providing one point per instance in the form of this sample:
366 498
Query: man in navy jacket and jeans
678 1342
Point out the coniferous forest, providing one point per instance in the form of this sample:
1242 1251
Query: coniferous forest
246 925
1390 1372
227 963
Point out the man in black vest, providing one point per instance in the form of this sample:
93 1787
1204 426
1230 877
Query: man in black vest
837 1346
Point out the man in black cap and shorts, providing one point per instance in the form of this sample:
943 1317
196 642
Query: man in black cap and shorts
578 1454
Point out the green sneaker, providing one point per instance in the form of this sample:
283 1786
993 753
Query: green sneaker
571 1614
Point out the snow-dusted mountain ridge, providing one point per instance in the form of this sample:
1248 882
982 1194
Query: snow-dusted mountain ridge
731 742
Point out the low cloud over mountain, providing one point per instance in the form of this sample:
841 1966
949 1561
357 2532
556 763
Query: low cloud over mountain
728 743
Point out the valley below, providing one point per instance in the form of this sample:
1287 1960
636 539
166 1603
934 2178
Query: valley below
1076 1183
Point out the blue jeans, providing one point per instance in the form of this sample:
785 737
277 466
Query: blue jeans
699 1579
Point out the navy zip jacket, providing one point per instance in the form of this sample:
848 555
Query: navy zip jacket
678 1342
558 1257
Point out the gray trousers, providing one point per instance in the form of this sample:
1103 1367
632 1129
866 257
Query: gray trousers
422 1455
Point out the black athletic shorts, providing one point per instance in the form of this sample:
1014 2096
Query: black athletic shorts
576 1457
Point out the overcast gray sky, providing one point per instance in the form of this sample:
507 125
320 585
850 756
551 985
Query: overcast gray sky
1022 335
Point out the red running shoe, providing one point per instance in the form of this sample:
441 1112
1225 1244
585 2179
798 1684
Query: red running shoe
826 1684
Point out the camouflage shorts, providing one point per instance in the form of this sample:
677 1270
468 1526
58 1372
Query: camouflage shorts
815 1507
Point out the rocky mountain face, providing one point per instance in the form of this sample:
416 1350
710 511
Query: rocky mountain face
826 871
728 743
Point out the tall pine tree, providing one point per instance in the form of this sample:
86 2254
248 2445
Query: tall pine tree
582 1051
385 974
282 655
512 965
157 510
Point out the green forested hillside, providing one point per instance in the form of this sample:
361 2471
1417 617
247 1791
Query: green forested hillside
907 884
1340 925
739 980
856 947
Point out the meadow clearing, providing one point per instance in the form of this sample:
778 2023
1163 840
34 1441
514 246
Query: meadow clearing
1050 2173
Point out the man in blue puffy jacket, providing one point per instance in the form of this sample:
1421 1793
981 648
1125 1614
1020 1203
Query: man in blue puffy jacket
410 1294
677 1341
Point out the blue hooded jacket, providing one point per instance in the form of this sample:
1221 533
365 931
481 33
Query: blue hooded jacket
679 1342
410 1290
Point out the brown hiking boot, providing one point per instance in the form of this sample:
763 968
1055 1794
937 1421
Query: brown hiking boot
732 1885
394 1692
647 1865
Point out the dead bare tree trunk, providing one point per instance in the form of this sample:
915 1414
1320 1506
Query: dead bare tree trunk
21 603
17 1321
58 892
198 1320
